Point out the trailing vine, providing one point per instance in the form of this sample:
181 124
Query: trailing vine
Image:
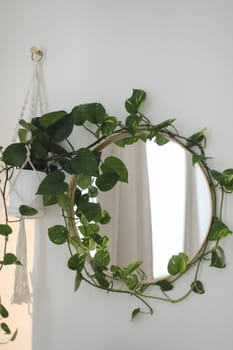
45 139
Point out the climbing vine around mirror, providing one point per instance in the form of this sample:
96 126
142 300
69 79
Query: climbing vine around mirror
44 145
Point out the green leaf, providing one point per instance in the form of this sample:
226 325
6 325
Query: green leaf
115 165
93 112
228 183
218 230
14 336
78 115
85 162
117 271
127 141
225 178
76 262
106 181
84 181
22 133
160 127
218 257
104 241
78 280
109 125
50 119
219 177
3 311
197 158
92 211
132 281
39 149
41 137
196 138
165 285
135 313
105 218
58 234
63 200
197 287
102 258
53 184
133 103
61 130
5 328
178 264
49 200
88 229
103 282
15 154
5 230
29 126
161 140
10 259
131 268
132 123
27 211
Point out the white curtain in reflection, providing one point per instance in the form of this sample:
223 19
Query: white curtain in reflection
191 241
198 208
130 229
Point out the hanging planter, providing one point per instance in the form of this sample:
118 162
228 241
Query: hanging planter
21 190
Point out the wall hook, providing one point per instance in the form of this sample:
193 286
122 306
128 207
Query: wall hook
36 53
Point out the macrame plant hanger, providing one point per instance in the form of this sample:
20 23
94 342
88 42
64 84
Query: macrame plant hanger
34 103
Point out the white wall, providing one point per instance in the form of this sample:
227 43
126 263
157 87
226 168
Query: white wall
181 53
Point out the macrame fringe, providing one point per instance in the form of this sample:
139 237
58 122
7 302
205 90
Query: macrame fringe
21 285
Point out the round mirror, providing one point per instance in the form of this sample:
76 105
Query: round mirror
165 208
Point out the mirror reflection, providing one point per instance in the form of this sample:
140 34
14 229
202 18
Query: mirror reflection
166 207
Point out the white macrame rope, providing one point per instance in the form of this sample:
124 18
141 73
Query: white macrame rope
13 183
28 109
34 98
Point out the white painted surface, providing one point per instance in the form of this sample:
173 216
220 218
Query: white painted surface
181 53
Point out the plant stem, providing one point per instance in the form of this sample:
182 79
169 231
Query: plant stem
121 291
70 144
221 203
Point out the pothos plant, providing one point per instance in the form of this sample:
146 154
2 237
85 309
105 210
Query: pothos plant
46 141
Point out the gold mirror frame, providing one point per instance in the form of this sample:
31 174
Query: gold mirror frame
121 136
180 263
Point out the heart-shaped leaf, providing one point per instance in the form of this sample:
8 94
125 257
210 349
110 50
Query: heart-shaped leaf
197 287
53 184
76 262
15 154
178 264
115 165
218 230
85 162
58 234
48 120
106 181
218 257
93 112
27 210
5 230
133 103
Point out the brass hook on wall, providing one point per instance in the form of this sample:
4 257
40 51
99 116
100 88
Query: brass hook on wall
36 53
